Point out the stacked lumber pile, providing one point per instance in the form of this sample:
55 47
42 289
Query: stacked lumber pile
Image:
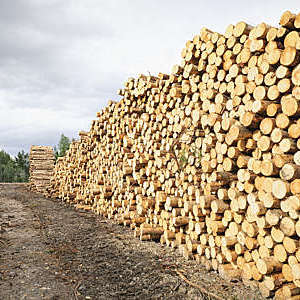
206 159
41 161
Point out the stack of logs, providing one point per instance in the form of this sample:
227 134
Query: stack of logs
206 159
41 159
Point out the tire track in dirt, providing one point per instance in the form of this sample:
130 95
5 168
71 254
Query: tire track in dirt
51 251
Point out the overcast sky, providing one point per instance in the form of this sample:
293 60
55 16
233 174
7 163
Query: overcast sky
62 60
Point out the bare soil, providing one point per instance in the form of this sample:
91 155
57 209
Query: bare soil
49 250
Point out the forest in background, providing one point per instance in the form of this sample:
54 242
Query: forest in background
16 169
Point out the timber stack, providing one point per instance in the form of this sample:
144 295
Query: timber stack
205 159
41 159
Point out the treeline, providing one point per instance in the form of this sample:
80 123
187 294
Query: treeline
16 169
62 147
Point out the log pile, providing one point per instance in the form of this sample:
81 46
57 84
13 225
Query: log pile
41 160
206 159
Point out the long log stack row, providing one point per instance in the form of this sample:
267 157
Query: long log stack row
41 159
206 159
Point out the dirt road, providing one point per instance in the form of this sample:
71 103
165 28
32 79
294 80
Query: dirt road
51 251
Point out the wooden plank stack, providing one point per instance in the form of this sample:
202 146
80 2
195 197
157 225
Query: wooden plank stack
41 160
206 159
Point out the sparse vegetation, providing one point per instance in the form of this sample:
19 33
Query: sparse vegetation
188 152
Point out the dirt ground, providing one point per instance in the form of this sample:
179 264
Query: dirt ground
49 250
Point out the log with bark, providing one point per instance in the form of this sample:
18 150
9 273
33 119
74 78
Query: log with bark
41 160
205 159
